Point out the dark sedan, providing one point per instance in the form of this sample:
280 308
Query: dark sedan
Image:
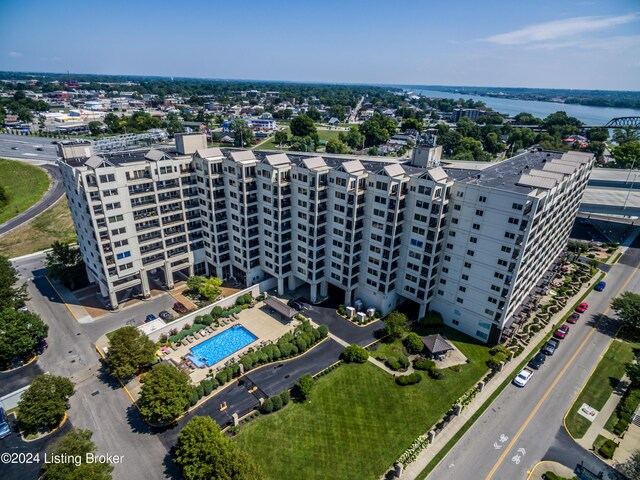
550 347
165 315
295 304
537 361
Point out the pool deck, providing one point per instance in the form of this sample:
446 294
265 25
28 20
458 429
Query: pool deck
257 320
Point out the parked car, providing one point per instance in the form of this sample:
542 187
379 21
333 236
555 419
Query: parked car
575 316
150 318
562 331
165 315
40 149
23 308
523 377
600 286
5 429
179 307
14 148
550 347
295 304
537 361
582 307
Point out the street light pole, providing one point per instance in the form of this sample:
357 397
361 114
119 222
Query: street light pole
629 193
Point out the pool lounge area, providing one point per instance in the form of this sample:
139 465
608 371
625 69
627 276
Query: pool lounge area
221 346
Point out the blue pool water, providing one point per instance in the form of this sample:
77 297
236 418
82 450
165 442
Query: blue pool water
221 346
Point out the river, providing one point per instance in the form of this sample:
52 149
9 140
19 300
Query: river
586 114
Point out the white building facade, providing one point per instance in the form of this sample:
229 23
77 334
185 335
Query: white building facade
468 244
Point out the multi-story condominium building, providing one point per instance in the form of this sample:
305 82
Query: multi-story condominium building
469 244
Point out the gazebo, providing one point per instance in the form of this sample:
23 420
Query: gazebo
280 307
437 346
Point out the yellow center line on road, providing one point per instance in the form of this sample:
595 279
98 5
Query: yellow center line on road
552 386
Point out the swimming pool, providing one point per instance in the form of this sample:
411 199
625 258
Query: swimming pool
221 346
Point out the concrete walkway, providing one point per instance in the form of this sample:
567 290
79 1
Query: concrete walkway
597 426
415 468
71 301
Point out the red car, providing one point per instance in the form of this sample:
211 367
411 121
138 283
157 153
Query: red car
582 307
179 307
562 331
573 318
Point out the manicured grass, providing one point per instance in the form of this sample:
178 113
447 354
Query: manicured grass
323 135
271 144
600 386
389 349
357 422
38 234
24 183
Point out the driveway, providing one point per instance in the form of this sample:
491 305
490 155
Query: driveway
349 332
16 379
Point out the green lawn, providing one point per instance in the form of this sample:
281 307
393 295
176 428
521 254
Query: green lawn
600 386
357 422
40 232
323 135
24 183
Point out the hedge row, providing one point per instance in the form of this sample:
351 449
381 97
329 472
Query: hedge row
187 331
411 379
607 449
399 362
275 403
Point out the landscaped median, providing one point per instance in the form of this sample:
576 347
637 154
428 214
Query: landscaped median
600 386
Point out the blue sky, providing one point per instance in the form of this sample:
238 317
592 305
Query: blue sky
542 43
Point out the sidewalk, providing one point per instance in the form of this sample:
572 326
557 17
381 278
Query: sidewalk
597 426
424 458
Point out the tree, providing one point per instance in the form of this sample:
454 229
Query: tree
195 282
630 468
95 127
281 137
598 134
625 135
493 144
172 123
10 295
4 196
413 342
112 121
411 124
377 129
303 144
524 118
373 151
303 126
44 403
353 137
75 444
204 453
65 263
355 354
165 395
395 324
337 111
210 288
336 146
627 307
130 350
20 333
302 388
627 154
633 372
314 114
243 135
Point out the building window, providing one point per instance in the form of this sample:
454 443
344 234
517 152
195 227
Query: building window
465 277
471 253
476 226
459 300
462 289
473 239
482 199
454 220
457 208
517 206
482 335
479 213
122 255
509 235
467 265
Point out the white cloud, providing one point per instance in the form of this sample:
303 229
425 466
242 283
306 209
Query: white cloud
613 43
14 54
560 29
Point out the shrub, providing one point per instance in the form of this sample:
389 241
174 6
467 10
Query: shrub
299 317
436 374
323 330
285 396
411 379
267 406
431 319
342 311
629 404
302 388
620 427
403 361
217 312
355 354
424 364
200 390
194 397
393 363
607 448
456 368
495 360
205 319
500 349
207 387
413 342
301 343
277 403
163 338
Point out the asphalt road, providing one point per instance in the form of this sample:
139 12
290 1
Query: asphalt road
524 425
25 148
55 192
